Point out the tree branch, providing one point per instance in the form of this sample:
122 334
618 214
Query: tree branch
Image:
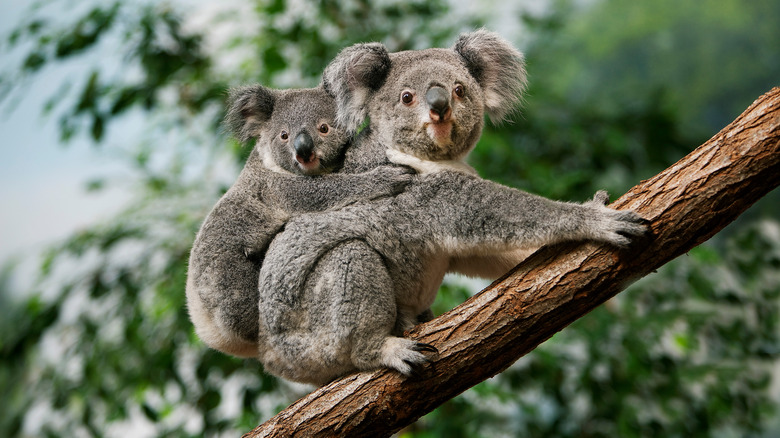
687 204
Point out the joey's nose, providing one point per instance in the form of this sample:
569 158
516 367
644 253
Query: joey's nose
304 147
438 101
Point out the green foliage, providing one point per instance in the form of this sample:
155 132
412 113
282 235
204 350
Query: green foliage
305 42
102 343
564 150
711 57
158 55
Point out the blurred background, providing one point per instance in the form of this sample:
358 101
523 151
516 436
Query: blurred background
112 154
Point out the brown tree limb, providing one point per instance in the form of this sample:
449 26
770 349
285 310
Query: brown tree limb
686 204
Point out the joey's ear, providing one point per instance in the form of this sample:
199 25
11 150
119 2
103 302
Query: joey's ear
498 67
248 109
356 71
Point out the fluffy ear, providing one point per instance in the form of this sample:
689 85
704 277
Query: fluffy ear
499 69
248 108
351 77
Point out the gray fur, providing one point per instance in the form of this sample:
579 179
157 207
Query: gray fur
360 69
225 260
338 289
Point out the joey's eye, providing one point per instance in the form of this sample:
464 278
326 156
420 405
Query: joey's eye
284 135
324 128
407 97
459 91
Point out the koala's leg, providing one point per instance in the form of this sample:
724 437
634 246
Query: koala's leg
368 312
308 322
341 321
222 300
215 329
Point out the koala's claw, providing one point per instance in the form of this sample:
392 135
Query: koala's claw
633 223
415 367
421 346
404 355
616 227
625 226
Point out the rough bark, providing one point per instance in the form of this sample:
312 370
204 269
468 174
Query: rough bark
686 204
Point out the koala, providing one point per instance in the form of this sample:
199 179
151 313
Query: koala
288 172
339 288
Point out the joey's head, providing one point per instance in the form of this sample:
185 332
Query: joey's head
428 103
295 129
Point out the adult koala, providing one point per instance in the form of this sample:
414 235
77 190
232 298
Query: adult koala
338 289
288 172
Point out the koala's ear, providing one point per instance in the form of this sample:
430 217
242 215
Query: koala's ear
248 109
499 69
350 78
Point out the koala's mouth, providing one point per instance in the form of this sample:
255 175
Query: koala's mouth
440 132
310 164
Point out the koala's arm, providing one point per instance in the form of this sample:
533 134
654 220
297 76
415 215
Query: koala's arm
472 218
305 194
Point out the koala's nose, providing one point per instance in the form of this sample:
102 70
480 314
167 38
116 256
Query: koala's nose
304 147
439 102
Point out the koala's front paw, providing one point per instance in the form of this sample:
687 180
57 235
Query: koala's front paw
390 180
404 355
616 227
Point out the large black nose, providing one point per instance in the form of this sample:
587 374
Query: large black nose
304 147
438 100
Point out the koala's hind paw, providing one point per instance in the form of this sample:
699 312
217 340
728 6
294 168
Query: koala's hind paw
404 355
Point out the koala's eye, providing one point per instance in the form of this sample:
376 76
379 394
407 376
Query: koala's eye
407 97
459 91
284 135
324 128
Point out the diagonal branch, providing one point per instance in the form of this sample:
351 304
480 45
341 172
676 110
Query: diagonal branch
687 204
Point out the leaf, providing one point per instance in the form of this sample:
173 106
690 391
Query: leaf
90 94
34 62
95 185
98 127
86 32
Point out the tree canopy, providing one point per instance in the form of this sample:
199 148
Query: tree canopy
618 91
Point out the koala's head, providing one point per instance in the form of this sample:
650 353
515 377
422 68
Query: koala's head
428 103
295 129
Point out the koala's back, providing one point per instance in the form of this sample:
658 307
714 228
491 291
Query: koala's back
225 262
